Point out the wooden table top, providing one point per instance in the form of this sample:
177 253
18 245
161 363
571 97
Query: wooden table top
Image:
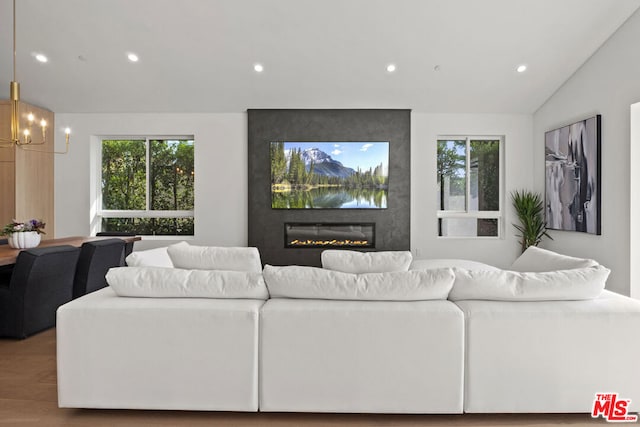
8 255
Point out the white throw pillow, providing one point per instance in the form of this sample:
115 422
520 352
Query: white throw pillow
150 258
191 257
504 285
318 283
366 262
428 264
177 283
537 260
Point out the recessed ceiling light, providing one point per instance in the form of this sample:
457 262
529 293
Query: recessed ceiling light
258 68
521 68
132 57
41 58
391 68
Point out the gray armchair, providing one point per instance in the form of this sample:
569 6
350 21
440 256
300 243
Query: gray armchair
41 281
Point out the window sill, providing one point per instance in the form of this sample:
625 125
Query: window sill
168 238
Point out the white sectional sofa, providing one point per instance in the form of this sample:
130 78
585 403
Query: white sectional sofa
329 341
361 356
550 356
158 353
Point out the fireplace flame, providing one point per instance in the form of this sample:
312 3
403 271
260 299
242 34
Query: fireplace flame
334 242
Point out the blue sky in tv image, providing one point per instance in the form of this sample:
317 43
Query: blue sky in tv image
363 155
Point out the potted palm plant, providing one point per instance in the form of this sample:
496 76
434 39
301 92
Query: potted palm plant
529 207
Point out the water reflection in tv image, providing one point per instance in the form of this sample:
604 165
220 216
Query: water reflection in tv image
329 175
573 187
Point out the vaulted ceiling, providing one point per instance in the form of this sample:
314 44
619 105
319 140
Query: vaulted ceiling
452 56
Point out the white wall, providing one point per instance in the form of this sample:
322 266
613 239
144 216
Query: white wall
634 198
517 131
607 84
221 175
220 170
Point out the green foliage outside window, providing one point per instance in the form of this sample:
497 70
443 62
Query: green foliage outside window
150 226
169 184
483 164
124 181
451 169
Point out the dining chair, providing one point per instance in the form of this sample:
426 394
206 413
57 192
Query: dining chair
40 282
96 258
128 247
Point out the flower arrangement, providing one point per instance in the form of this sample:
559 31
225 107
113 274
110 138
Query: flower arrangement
20 227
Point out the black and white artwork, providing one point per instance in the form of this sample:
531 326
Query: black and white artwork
573 187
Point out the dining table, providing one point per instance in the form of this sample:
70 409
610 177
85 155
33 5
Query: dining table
9 255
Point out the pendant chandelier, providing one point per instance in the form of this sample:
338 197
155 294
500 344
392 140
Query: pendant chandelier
23 139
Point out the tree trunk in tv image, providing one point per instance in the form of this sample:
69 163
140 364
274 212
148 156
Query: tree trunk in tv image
307 175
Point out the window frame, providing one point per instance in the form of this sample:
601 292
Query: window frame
140 213
467 214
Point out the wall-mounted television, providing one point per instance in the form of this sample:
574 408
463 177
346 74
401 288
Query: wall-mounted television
329 175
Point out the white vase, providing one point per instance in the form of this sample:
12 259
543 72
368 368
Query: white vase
24 240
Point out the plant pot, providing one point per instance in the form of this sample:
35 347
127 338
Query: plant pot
24 240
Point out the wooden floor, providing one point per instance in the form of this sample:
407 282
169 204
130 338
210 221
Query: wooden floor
28 398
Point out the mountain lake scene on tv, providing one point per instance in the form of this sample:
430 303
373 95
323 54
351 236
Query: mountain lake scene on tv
329 175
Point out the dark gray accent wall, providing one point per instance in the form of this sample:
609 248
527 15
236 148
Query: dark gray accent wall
266 225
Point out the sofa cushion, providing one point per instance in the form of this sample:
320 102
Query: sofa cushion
366 262
318 283
157 257
178 283
536 259
158 353
428 264
361 356
192 257
539 356
503 285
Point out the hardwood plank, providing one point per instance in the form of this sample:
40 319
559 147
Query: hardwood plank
28 397
6 153
7 191
34 173
26 178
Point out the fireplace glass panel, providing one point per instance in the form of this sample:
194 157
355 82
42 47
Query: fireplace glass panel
304 235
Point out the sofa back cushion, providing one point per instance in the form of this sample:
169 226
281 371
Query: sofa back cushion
157 257
318 283
504 285
537 259
192 257
366 262
177 283
428 264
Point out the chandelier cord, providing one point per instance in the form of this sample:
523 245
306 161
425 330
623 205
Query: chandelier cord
14 40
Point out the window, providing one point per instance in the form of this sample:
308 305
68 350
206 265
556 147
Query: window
469 186
147 186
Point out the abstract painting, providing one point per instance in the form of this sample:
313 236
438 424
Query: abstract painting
572 174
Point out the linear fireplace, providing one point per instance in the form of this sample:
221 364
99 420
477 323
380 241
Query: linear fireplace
344 129
329 235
